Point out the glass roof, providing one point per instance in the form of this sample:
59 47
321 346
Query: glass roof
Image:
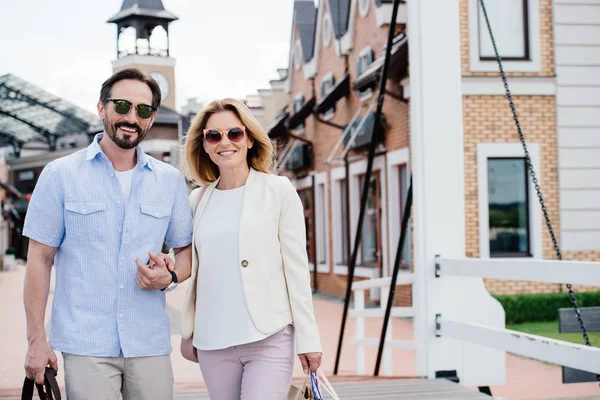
30 114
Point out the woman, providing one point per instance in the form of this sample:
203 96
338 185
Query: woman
249 294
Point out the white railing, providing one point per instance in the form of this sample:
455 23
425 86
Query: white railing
541 348
359 312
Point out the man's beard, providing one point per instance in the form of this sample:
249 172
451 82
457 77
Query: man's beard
125 142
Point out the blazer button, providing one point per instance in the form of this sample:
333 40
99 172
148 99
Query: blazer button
244 263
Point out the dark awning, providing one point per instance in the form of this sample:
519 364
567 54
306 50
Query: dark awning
298 118
277 129
397 70
341 89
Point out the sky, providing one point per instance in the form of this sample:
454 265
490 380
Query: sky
223 48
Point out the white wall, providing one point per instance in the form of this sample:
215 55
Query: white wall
577 45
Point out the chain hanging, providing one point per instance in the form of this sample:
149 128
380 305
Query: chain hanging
533 176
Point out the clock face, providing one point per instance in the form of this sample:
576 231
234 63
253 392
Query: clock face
163 83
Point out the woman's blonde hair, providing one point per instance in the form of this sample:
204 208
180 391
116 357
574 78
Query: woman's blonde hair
202 168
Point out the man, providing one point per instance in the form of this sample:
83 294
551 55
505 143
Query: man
95 215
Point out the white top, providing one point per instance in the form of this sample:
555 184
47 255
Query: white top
125 178
222 316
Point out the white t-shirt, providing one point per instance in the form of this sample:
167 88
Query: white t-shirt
222 316
125 178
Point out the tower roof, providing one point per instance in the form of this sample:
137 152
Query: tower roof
142 8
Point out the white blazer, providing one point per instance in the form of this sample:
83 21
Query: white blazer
272 257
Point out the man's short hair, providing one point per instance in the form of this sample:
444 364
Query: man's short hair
134 74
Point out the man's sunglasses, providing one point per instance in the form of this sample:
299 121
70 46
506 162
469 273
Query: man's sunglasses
144 111
214 136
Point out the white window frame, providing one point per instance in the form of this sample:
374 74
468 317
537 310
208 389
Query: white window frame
330 113
299 130
508 150
367 94
396 160
363 7
534 64
298 56
327 30
322 219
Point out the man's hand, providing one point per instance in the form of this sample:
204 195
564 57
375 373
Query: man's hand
310 361
162 260
39 355
156 278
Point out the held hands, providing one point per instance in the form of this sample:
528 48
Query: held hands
39 355
310 361
155 275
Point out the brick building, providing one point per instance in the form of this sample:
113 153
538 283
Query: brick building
336 52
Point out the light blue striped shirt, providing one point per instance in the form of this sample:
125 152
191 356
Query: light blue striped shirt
98 309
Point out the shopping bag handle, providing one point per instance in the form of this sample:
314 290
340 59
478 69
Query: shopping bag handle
320 377
48 391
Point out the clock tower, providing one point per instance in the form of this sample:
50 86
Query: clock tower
143 43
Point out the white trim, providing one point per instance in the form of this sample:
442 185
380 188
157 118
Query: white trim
158 145
363 7
356 169
322 214
519 86
297 56
310 68
534 65
136 59
395 160
383 14
304 183
361 272
490 150
329 22
493 86
337 175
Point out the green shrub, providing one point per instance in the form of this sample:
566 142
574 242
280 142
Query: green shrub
10 250
542 307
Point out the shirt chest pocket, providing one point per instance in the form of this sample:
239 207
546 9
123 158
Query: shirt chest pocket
155 220
85 221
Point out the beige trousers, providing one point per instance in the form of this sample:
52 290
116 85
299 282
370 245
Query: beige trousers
106 378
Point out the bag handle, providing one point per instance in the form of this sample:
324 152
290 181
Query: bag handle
320 377
51 387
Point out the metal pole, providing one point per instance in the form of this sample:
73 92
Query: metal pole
314 232
365 192
388 308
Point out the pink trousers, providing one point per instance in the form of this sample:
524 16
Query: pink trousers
255 371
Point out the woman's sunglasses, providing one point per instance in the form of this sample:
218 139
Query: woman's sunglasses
144 111
214 136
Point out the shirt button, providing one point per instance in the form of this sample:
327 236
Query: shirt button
244 263
120 230
121 287
156 214
120 315
122 258
84 210
118 201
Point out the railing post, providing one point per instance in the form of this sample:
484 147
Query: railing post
386 359
359 329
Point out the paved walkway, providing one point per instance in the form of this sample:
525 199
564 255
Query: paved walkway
526 379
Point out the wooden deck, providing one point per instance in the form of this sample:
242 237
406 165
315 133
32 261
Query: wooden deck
402 389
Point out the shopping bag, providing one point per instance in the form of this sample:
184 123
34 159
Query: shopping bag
303 392
319 381
48 391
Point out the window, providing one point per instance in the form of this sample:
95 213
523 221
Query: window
297 106
343 191
297 55
406 260
371 229
326 86
509 21
306 196
517 31
327 30
508 207
322 232
362 63
363 7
